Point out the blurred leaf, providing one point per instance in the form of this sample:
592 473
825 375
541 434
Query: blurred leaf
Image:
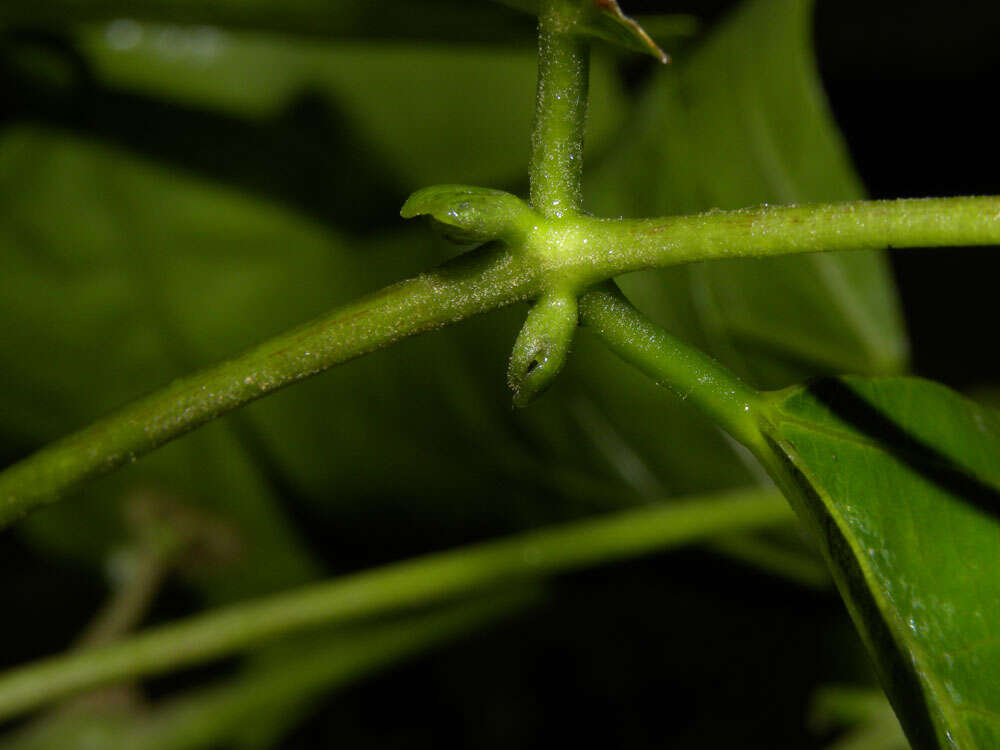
987 395
117 277
844 705
865 712
883 733
744 122
901 479
448 20
420 108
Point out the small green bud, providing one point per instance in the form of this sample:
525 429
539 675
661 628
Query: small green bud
465 214
542 345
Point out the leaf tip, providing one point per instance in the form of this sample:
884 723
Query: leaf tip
626 30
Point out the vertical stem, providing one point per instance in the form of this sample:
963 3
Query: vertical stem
556 168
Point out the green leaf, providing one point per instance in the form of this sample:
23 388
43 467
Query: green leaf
418 109
744 122
119 276
900 478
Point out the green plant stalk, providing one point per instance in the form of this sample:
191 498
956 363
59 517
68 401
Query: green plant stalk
485 279
556 167
212 715
708 385
556 191
687 371
766 231
560 126
427 580
473 283
216 715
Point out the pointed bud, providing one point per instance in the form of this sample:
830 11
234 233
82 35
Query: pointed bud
466 214
541 347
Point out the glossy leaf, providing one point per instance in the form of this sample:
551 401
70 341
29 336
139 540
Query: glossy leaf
900 478
744 122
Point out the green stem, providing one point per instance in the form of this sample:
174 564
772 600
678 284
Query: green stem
485 279
689 372
426 580
212 715
709 386
770 231
556 168
471 284
279 690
